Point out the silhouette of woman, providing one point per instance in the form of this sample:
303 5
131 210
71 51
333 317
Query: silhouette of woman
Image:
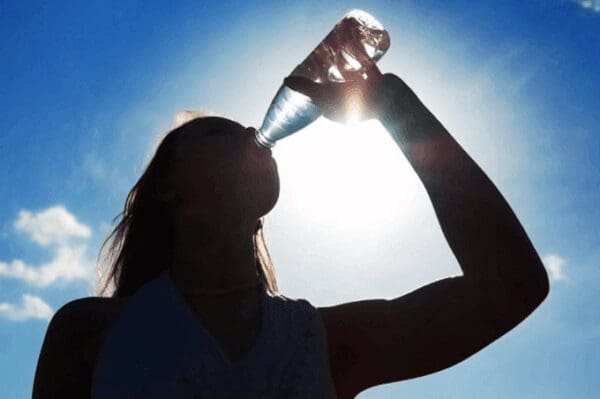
196 311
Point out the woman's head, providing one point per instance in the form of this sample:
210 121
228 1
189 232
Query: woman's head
218 174
209 171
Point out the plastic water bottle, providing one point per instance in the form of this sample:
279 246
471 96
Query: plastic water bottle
356 41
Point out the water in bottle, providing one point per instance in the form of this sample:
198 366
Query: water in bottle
355 42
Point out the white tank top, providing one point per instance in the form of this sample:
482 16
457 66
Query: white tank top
159 349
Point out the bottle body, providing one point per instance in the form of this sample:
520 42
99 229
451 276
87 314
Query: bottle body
355 42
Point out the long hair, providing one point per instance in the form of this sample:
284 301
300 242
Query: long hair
140 246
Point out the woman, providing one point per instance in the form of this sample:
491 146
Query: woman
196 311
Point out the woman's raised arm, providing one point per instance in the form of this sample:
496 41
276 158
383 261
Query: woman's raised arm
486 237
379 341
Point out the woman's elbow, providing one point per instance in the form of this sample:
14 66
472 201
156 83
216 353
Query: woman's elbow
530 290
540 287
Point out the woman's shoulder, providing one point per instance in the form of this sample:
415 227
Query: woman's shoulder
90 313
71 345
83 323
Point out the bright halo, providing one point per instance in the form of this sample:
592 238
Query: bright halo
346 177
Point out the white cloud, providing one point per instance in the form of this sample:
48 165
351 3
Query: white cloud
53 226
591 5
555 266
59 230
31 307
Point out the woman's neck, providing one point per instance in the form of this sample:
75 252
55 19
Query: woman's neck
212 260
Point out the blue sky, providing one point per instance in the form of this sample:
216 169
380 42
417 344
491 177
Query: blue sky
86 90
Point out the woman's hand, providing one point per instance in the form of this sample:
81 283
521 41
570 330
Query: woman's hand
343 102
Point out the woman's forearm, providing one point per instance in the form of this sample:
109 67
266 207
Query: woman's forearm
486 237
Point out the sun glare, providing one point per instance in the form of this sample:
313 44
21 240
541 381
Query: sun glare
346 176
354 103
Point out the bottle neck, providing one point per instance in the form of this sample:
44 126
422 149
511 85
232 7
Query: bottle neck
263 140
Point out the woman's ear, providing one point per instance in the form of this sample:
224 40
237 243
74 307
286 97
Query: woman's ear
164 192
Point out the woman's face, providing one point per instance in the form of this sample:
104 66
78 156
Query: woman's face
220 173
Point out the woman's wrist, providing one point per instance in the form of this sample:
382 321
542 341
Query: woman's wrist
391 95
400 111
395 101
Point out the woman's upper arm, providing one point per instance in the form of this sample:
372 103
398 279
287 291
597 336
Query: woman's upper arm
378 341
68 352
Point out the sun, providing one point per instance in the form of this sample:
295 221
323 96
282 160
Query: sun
347 177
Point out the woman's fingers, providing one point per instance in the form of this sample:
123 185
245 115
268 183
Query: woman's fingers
324 95
337 100
303 85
